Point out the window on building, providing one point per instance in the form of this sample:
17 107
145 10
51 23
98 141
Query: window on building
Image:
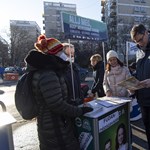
57 12
59 30
58 18
136 0
137 19
143 1
58 24
137 9
143 10
143 19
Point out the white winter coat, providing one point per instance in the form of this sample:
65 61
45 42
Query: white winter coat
114 76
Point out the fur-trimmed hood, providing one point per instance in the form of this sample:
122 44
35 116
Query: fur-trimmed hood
37 60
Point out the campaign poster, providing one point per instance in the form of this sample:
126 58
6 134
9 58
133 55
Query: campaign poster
114 129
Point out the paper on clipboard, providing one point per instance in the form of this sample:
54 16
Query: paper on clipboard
131 84
106 103
112 101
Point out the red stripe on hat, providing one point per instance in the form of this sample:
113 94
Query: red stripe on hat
55 50
54 46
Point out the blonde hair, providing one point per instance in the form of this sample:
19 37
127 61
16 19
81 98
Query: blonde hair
65 45
96 57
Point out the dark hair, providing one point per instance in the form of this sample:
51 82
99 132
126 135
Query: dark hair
124 135
137 29
108 66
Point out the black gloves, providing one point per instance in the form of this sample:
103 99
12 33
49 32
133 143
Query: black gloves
86 109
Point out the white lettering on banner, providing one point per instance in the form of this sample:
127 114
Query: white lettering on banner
79 21
85 22
86 28
95 34
73 26
74 19
95 30
85 139
75 31
86 33
108 121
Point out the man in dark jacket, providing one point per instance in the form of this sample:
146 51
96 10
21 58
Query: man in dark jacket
55 117
141 36
72 77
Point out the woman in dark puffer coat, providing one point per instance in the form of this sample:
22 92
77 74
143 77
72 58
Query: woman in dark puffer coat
54 121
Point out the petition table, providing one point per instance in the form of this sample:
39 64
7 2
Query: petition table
99 126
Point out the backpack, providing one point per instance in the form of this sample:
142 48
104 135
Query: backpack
25 101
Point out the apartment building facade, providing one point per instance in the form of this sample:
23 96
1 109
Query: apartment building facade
52 17
120 16
30 27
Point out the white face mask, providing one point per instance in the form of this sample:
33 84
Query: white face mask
62 55
72 59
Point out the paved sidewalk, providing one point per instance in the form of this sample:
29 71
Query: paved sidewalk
25 135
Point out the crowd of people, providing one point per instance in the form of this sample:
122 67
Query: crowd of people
59 90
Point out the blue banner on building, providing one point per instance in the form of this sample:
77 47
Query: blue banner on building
76 27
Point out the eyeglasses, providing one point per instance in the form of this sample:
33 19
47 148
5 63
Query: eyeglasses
140 40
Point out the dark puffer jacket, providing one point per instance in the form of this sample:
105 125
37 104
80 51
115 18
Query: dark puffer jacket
142 73
55 117
97 86
77 87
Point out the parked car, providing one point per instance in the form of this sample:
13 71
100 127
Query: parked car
13 70
10 73
10 70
